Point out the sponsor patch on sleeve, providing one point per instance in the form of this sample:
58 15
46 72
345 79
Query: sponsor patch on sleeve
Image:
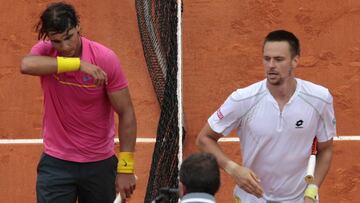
219 114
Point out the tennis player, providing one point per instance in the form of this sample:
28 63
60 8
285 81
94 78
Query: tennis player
83 84
276 119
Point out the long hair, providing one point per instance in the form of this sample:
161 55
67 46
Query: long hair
57 18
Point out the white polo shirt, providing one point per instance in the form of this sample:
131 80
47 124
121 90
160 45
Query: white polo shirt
276 145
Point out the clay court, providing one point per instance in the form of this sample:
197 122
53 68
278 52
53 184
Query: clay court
221 52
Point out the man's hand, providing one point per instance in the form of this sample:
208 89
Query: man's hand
245 179
100 77
308 200
125 185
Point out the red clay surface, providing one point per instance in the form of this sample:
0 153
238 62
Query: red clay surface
112 23
222 52
222 47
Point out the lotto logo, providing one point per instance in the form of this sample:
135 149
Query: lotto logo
299 124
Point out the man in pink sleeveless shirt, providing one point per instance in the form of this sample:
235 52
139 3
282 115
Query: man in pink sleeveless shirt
83 84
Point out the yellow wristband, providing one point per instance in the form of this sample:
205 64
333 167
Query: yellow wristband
311 191
67 64
126 162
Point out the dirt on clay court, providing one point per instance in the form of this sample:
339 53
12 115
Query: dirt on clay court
222 52
112 23
222 46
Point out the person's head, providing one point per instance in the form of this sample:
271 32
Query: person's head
281 52
59 23
199 173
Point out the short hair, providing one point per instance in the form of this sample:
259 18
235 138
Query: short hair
57 17
200 173
283 35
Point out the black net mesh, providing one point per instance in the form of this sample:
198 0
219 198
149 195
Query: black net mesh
157 21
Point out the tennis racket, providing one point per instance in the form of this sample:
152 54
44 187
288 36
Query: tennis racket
309 177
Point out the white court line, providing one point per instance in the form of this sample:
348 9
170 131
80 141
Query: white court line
40 141
153 140
338 138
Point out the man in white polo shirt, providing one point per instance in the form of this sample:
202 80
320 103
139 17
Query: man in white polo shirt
276 120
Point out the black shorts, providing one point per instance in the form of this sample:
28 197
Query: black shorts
67 182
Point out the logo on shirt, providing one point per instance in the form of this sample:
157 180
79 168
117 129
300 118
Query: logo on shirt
219 114
86 78
299 124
